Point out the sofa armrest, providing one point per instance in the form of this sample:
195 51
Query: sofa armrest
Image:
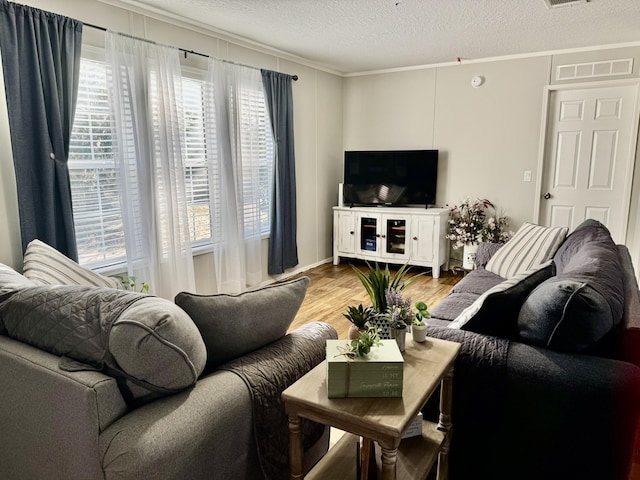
542 414
50 419
202 432
576 408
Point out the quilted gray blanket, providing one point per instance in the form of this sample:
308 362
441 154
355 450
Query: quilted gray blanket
69 321
267 373
480 374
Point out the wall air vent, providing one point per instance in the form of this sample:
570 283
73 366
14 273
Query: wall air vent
563 3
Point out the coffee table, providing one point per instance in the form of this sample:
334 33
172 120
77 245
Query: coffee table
383 420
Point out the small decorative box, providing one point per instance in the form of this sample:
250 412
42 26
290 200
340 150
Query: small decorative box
378 374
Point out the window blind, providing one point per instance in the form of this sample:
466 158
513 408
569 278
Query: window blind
94 183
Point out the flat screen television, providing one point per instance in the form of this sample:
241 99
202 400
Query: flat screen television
390 177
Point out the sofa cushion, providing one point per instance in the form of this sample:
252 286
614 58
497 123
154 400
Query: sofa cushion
495 312
584 303
232 325
452 306
44 265
532 245
146 340
477 281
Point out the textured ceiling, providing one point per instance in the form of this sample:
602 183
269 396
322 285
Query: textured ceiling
363 35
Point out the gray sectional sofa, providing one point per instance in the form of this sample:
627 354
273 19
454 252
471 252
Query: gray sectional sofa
99 383
547 384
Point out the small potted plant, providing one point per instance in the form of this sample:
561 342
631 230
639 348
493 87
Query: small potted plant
129 282
361 346
398 314
418 326
378 282
358 316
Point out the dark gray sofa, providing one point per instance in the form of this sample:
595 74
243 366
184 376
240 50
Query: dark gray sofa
525 410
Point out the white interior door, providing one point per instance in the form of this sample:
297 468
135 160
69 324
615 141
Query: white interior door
589 157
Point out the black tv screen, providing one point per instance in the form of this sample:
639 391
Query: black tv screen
390 177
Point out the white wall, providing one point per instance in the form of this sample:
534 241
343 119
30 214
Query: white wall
487 136
317 116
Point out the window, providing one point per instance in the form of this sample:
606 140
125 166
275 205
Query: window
195 165
94 186
95 192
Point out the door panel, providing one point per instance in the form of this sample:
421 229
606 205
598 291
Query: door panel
589 157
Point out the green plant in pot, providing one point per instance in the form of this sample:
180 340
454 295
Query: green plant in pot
358 316
129 282
361 346
418 325
377 281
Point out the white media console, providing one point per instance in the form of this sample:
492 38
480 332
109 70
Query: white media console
396 235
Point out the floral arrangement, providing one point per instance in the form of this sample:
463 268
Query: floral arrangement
399 312
477 221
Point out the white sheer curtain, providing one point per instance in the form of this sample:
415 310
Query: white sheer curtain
235 113
146 96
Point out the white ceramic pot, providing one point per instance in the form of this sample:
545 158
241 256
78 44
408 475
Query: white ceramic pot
419 333
400 334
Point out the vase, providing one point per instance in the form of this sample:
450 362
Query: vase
400 334
354 332
469 255
419 333
382 324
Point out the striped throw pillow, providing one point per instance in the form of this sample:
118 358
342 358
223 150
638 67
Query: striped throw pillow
44 265
532 245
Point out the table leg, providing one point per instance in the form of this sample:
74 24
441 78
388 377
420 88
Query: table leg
295 448
389 461
365 457
445 424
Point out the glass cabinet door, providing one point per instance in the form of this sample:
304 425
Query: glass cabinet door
396 230
368 234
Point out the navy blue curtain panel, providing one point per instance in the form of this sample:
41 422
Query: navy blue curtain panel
283 247
41 63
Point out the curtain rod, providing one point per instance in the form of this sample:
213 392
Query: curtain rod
293 77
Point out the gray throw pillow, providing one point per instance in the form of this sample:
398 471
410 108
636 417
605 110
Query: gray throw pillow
146 340
495 312
155 342
565 315
584 303
232 325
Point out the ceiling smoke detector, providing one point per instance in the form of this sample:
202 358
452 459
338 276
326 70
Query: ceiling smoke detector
563 3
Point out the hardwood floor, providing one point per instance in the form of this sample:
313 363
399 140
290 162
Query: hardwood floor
333 288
